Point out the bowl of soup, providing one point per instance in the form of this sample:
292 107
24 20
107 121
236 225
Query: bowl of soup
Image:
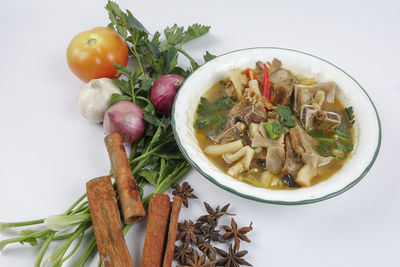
276 125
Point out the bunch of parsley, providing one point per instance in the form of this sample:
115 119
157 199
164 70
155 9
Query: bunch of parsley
155 158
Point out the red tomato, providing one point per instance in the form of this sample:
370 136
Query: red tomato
91 53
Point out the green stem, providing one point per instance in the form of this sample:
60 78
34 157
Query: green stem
4 226
81 208
139 61
86 253
56 258
148 153
183 52
75 248
43 249
75 204
37 234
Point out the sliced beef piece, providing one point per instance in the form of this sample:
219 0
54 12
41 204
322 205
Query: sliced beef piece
302 145
308 93
230 134
301 142
293 161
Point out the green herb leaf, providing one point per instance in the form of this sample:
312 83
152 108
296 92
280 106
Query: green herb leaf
344 147
207 57
170 59
123 70
117 97
114 12
274 129
207 108
350 114
149 175
155 120
195 31
213 121
133 23
174 34
316 133
145 85
285 113
344 134
123 85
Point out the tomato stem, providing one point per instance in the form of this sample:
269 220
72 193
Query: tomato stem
92 42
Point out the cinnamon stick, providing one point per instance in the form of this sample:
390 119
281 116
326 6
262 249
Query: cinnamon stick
131 204
172 229
106 223
156 229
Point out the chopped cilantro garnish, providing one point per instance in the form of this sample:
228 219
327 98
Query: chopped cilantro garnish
350 114
212 115
342 133
274 129
286 114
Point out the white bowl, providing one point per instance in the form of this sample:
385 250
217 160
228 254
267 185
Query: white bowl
367 126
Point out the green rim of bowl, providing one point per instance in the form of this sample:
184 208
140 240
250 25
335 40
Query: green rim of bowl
300 202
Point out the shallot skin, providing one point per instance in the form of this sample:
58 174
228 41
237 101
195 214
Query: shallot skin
163 92
126 119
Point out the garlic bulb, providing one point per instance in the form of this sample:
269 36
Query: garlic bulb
94 98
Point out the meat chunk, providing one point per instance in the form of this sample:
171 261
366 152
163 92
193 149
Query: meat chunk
230 134
282 86
301 146
282 82
304 94
251 109
313 119
293 161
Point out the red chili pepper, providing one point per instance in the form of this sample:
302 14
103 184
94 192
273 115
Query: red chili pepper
266 90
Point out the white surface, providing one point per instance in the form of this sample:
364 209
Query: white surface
48 151
366 127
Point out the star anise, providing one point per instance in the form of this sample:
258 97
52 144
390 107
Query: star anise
183 253
188 232
214 215
184 191
232 258
198 261
209 233
207 249
236 233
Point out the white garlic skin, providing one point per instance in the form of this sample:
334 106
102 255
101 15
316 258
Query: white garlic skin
94 98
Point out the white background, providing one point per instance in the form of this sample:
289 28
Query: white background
48 151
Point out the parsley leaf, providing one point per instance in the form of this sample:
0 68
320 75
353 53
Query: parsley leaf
274 129
174 34
207 57
195 31
285 113
117 97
